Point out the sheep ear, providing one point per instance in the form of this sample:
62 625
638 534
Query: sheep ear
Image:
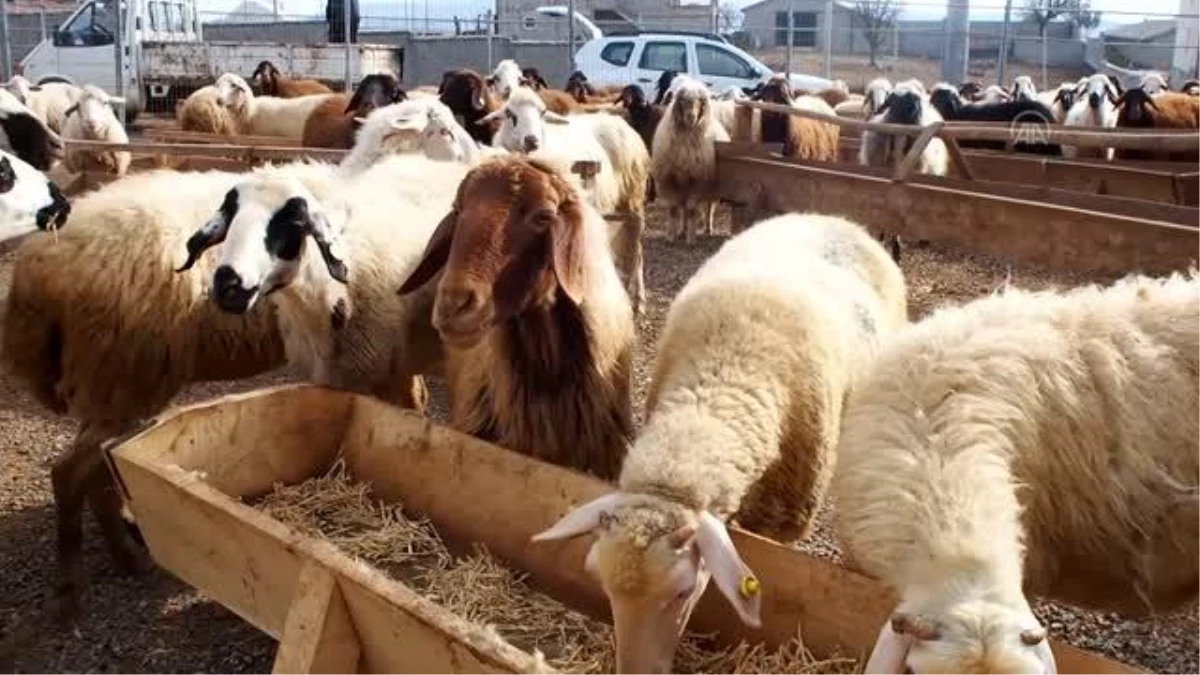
555 118
319 228
918 627
437 252
116 100
733 577
490 117
890 652
566 240
212 233
582 519
8 176
71 110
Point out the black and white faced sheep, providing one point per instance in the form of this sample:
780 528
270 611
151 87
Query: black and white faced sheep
26 136
951 107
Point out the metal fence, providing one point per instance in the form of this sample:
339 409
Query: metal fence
184 44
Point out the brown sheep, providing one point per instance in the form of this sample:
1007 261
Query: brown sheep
466 94
537 327
534 78
556 100
201 112
583 92
270 82
1167 110
334 123
642 115
832 96
801 137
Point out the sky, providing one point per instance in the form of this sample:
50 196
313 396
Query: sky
1115 12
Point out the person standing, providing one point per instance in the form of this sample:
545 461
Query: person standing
335 18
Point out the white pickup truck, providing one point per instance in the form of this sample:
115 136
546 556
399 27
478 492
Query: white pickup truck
166 57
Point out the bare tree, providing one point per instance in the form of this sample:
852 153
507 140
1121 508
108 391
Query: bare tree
877 18
729 17
1043 12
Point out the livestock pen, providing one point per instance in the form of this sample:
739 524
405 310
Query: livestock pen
971 251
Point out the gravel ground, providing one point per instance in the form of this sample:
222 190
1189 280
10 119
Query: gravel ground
156 624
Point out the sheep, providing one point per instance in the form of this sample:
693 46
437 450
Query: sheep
663 86
583 92
202 112
28 200
116 347
334 123
995 94
876 93
951 107
271 83
1059 100
801 137
970 90
1191 88
683 160
467 94
48 101
853 106
420 126
1136 108
624 168
25 135
343 324
914 84
641 115
92 119
266 115
538 334
1095 106
1039 443
758 352
1153 83
1022 88
531 77
505 78
904 106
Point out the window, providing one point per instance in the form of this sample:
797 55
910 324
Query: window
804 29
720 63
175 18
664 56
92 27
529 23
617 53
157 20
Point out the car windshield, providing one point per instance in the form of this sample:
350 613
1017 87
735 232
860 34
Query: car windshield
94 14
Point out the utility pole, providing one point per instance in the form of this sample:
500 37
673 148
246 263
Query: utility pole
791 27
713 7
7 49
954 58
570 35
828 39
1004 43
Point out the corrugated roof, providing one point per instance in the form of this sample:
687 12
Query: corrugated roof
1145 31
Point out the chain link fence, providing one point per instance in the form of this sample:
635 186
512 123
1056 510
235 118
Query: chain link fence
179 45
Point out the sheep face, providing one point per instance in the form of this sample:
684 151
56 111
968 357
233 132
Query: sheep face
28 201
523 119
877 92
776 90
375 91
654 559
1065 96
505 79
95 110
690 108
265 223
1023 88
632 97
1098 88
512 243
1153 83
265 77
26 136
902 107
1135 108
974 636
946 101
463 90
233 92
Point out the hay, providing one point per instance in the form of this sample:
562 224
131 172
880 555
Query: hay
480 589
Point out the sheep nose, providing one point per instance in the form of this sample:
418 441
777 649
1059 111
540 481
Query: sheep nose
228 292
531 143
1094 100
56 211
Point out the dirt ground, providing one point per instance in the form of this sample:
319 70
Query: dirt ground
156 624
857 71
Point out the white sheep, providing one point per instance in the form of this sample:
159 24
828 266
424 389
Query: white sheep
684 160
343 324
1095 106
49 101
1023 88
92 119
505 79
1058 100
202 112
758 352
28 200
904 105
1040 443
876 93
619 187
1153 83
266 115
421 126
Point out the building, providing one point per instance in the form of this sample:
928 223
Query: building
766 21
1146 45
1185 64
519 19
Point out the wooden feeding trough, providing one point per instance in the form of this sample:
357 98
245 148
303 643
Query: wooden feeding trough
184 475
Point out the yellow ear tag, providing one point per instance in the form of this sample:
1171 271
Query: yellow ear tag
749 587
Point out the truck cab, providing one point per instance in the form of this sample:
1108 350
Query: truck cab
83 48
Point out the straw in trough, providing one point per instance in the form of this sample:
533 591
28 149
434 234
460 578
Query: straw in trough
479 588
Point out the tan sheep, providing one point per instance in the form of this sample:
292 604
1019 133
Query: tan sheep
759 350
1026 443
92 119
202 112
683 161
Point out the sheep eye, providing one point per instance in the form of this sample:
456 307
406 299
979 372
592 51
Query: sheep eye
543 219
445 132
512 117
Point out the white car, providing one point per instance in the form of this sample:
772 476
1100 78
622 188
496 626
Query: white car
641 58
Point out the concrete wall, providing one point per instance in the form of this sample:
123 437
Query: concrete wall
759 21
518 18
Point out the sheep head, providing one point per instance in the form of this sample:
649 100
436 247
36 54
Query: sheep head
1023 88
266 222
776 90
876 93
375 91
266 78
1097 88
94 108
465 90
690 107
523 120
971 636
512 243
26 135
1135 106
505 79
654 559
632 97
28 200
233 92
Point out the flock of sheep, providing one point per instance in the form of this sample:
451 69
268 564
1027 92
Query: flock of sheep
1025 443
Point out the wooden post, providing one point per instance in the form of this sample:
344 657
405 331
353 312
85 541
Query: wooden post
914 153
958 158
318 635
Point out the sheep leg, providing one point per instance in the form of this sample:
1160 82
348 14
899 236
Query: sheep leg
708 212
676 214
632 259
689 226
69 477
105 501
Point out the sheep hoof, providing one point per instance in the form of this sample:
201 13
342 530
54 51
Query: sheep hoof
64 604
132 561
